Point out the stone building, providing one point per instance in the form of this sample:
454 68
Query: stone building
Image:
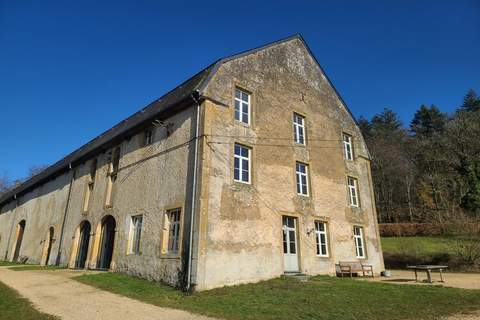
252 168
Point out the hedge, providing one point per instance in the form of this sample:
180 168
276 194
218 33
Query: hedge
409 229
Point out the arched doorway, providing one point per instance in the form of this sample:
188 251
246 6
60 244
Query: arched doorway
83 242
48 245
106 243
18 243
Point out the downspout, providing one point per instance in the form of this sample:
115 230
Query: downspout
57 260
194 195
11 227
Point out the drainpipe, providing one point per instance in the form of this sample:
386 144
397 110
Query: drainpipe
57 260
12 225
194 195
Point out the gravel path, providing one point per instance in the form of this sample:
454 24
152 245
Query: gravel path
452 279
472 316
55 293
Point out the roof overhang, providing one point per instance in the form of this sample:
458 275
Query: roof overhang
157 110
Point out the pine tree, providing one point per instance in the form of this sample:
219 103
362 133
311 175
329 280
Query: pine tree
471 101
365 127
428 121
386 122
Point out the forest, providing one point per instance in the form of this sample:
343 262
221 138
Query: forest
429 170
426 172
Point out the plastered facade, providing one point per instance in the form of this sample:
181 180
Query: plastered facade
237 233
151 179
242 236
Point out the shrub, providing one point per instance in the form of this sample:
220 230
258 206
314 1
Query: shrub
467 244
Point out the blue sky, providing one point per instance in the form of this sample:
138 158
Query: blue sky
70 70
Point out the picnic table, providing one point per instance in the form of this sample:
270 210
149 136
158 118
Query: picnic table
428 269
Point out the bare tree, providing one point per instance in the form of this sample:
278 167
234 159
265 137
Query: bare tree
36 169
4 183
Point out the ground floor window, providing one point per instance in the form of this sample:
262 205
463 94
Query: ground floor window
358 237
135 234
321 238
173 221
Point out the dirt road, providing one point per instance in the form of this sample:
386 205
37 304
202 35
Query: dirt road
55 293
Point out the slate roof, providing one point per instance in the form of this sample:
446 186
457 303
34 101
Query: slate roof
186 93
181 94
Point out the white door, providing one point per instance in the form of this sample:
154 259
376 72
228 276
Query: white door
290 248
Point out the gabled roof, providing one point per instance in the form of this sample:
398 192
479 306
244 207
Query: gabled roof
185 94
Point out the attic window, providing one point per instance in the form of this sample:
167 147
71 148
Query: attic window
148 138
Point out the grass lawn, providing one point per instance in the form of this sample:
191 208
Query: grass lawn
421 246
285 298
399 252
27 267
15 266
8 263
13 306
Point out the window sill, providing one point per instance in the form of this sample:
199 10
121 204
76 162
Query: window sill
172 256
323 257
243 124
242 183
305 196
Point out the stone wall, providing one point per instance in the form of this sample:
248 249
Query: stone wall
243 222
151 179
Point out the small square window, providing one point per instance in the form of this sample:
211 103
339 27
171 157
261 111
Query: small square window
148 138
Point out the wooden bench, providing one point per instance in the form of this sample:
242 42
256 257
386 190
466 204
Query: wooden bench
351 267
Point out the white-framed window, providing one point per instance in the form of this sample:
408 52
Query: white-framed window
353 191
242 106
347 146
299 128
173 217
136 226
241 163
321 238
302 178
358 237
